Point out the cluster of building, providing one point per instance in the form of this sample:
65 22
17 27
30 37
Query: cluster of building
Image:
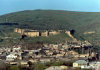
47 53
35 33
79 64
83 64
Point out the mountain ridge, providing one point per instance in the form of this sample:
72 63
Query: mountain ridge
55 19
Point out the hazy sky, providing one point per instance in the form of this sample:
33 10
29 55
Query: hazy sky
7 6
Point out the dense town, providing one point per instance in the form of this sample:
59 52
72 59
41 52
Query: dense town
81 54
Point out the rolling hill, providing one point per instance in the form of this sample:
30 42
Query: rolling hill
81 22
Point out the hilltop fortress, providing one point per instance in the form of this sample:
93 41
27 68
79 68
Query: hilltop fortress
36 33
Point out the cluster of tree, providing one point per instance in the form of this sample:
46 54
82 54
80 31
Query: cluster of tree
9 24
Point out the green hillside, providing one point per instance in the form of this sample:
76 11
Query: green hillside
55 19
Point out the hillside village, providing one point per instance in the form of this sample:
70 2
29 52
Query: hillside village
81 53
63 55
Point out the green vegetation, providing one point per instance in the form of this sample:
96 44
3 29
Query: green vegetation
9 39
14 67
40 66
50 39
55 20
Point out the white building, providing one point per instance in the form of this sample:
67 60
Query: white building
16 48
11 57
80 63
95 65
